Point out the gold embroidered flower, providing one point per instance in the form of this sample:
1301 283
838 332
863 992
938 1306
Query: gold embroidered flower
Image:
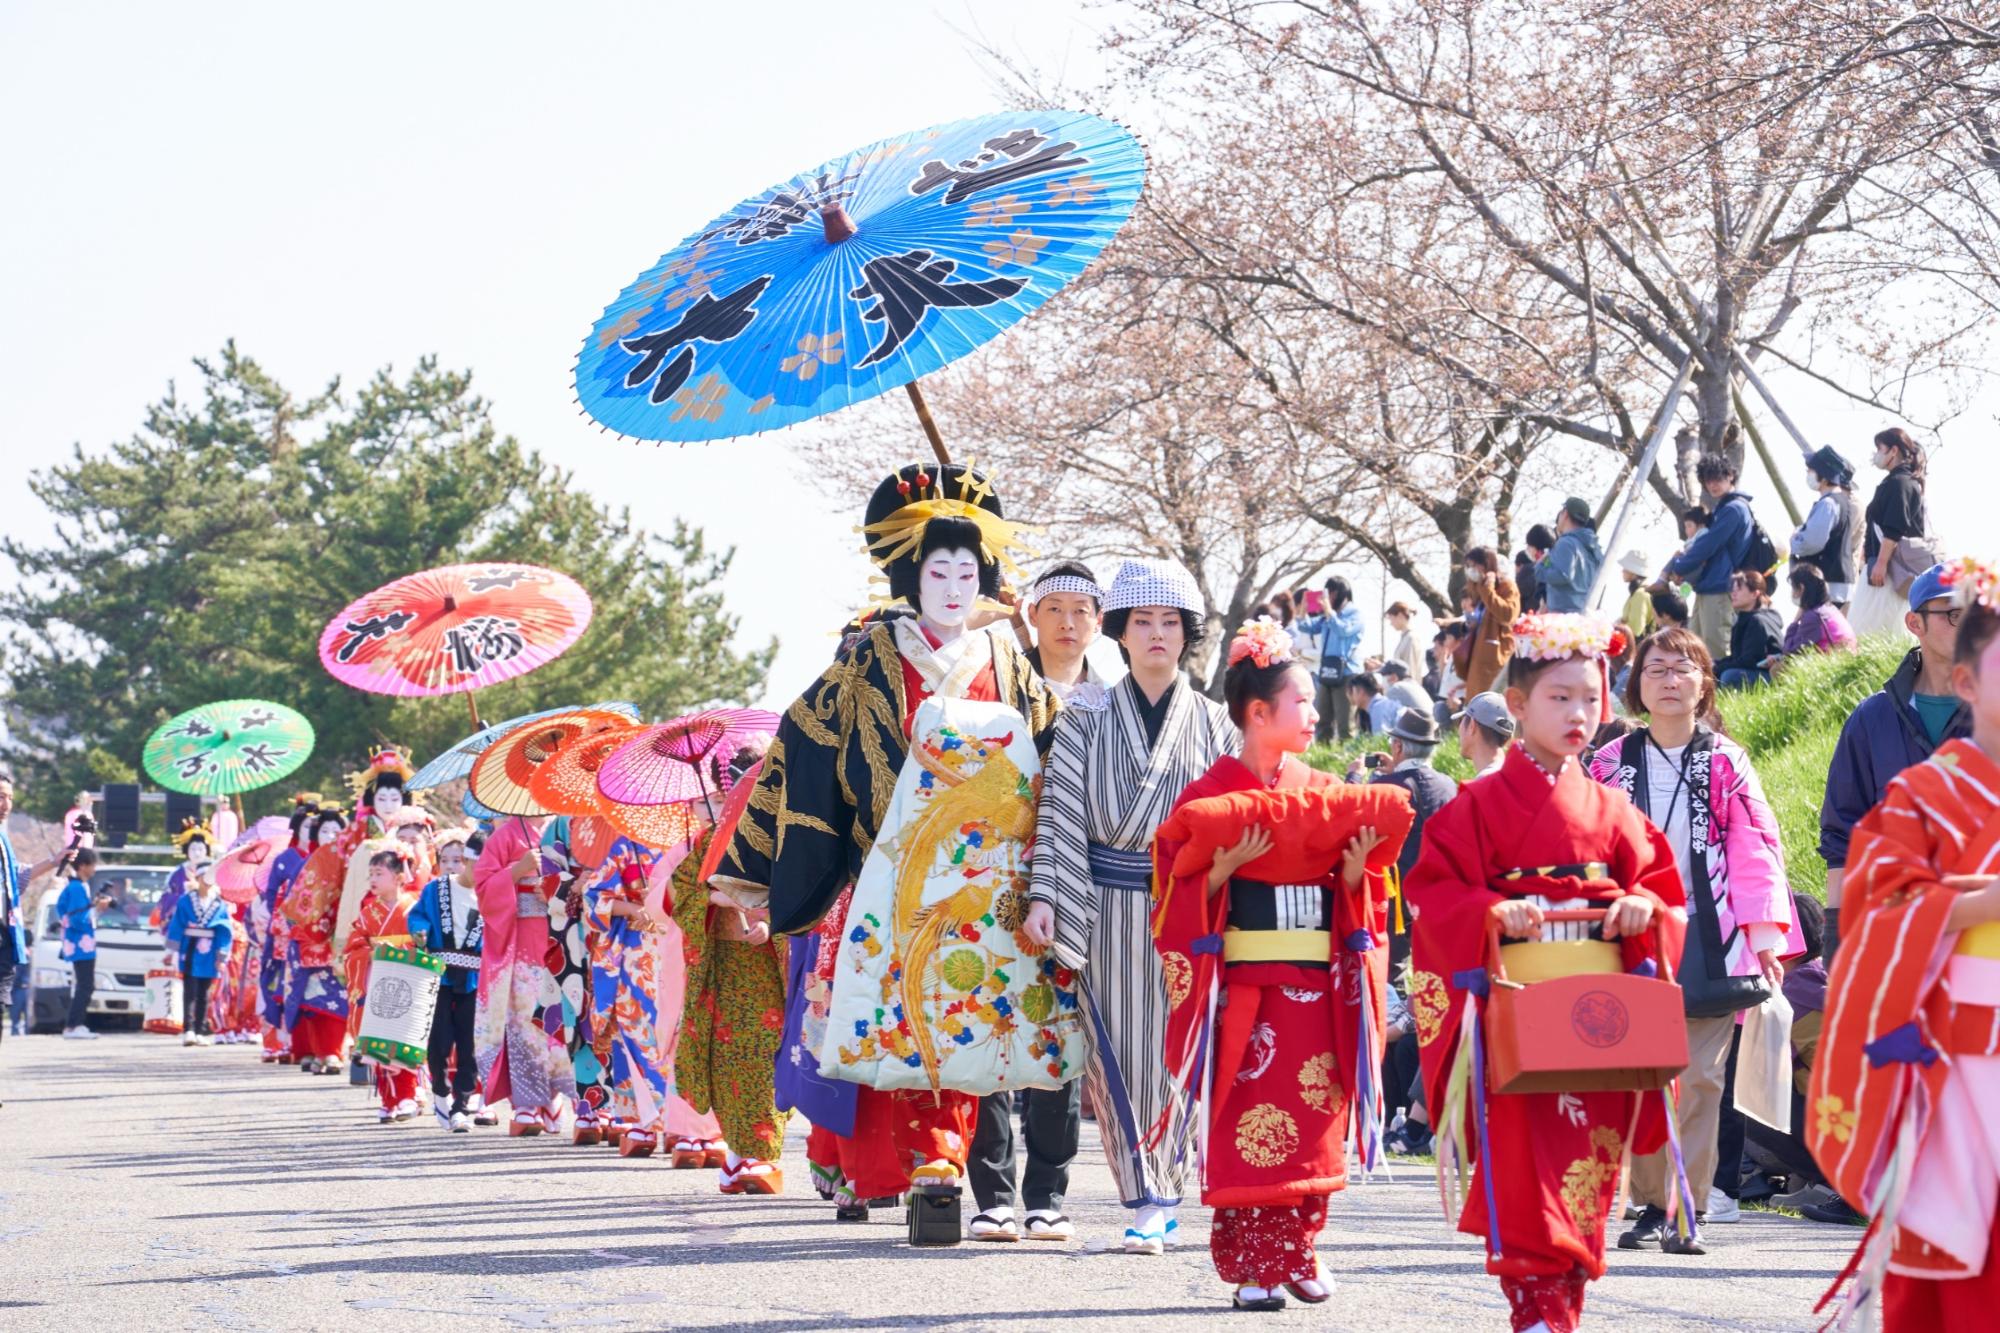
1316 1086
1429 1003
1021 247
1265 1135
1075 190
1010 909
702 401
1586 1179
1833 1119
999 212
1179 974
815 350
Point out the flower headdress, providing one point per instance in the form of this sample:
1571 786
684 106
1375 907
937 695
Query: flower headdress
1264 641
1552 636
192 829
1971 581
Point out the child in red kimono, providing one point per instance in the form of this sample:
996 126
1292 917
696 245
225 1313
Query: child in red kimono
1903 1111
1271 921
1536 836
382 918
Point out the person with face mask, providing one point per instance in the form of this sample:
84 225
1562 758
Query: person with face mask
316 1002
837 768
1112 776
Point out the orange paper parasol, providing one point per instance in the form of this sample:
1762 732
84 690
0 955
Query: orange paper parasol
501 776
567 783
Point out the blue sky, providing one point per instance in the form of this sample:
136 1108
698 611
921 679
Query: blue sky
339 188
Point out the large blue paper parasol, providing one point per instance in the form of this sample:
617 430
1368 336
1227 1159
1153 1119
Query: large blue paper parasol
859 276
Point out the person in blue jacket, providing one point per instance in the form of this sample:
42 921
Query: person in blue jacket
445 921
1571 566
1716 552
76 910
1897 727
1339 629
201 932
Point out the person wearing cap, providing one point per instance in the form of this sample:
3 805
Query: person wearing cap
1638 612
1830 538
1571 568
1400 689
1716 553
1112 777
1066 608
1901 724
1485 730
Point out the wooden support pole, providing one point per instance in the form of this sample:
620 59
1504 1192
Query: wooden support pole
924 417
1764 452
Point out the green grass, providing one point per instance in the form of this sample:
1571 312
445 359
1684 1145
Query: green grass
1789 729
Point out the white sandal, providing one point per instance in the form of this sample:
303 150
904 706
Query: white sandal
995 1225
1047 1224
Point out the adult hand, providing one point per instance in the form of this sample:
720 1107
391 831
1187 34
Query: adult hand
1629 915
1976 905
1256 840
1773 970
1519 920
1040 924
1877 576
758 931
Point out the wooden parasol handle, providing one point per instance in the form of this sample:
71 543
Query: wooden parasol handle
924 417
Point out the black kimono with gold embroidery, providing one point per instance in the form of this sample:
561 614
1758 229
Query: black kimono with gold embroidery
833 767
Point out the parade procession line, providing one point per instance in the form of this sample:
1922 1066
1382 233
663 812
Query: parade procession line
151 1186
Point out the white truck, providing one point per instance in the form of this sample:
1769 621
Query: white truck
128 945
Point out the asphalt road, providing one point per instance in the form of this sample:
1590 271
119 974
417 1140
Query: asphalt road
144 1186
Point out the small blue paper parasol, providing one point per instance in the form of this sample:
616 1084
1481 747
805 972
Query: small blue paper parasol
859 276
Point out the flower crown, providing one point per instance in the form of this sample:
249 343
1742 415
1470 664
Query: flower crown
1552 636
1972 580
1264 641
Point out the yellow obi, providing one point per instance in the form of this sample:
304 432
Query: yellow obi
1980 941
1278 946
1544 960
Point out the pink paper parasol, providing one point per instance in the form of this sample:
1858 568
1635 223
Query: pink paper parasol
245 870
674 761
455 629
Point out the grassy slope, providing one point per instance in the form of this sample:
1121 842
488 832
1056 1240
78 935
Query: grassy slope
1789 730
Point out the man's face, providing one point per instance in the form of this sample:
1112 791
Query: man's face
1719 487
1936 628
947 588
1065 623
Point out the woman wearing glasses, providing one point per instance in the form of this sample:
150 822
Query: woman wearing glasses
1698 787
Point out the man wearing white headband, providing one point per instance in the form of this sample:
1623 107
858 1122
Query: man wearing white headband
1066 607
1112 776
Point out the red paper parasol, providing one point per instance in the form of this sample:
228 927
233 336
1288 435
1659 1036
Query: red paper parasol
454 629
657 826
591 838
500 778
567 783
670 762
725 823
242 874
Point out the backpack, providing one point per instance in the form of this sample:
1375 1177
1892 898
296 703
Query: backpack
1762 553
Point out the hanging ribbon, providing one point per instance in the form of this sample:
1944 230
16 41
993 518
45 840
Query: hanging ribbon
1475 984
1367 1107
1681 1206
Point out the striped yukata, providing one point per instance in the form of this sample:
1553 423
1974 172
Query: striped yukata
1104 791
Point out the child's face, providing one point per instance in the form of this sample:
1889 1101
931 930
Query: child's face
451 858
1559 715
383 881
1290 719
1978 683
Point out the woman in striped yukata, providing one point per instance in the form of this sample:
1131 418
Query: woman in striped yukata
1112 775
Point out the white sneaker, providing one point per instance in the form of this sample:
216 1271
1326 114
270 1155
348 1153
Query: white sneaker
1722 1208
459 1123
190 1038
406 1110
205 1039
79 1034
383 1115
